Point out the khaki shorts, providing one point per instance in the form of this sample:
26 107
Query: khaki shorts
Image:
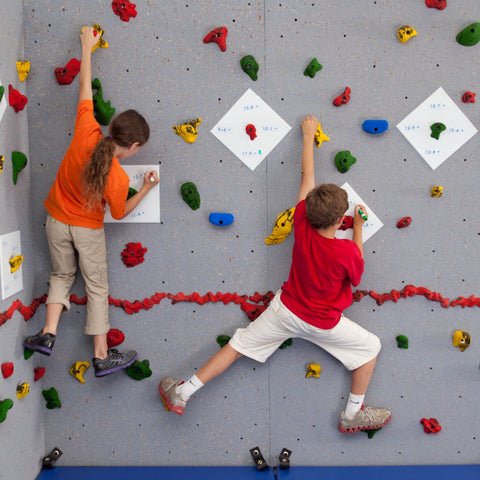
65 242
348 342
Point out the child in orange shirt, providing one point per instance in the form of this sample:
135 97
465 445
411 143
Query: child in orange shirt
89 177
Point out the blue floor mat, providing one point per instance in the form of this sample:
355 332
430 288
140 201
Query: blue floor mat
422 472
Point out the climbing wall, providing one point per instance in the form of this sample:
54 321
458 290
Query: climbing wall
22 428
157 63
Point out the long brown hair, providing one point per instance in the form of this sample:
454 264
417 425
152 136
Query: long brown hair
127 128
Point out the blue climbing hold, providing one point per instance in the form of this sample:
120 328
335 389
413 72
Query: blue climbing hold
221 219
375 126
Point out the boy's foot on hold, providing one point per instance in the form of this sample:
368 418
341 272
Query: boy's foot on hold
114 362
367 418
168 390
40 342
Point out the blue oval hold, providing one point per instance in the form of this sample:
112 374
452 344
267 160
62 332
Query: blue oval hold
221 219
375 126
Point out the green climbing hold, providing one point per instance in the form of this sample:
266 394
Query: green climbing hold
250 66
19 162
469 35
402 341
222 340
190 195
131 192
103 110
51 396
437 129
286 343
139 370
2 90
371 433
5 406
312 68
344 160
27 353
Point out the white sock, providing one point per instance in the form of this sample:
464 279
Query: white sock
188 388
354 404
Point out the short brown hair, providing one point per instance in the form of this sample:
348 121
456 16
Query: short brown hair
325 204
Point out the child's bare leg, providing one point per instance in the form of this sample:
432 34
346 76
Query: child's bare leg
218 363
54 310
361 377
100 346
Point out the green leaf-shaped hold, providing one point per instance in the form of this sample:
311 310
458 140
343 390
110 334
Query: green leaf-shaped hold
103 110
190 195
139 370
5 406
312 68
469 35
51 396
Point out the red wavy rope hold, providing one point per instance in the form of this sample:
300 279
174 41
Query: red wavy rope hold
252 310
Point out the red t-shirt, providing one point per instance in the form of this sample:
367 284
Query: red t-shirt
323 269
66 201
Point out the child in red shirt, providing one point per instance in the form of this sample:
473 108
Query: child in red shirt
310 303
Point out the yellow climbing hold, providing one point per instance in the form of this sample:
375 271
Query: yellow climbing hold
461 340
282 227
101 41
15 263
405 33
23 69
2 160
22 390
320 136
188 131
78 369
436 191
313 370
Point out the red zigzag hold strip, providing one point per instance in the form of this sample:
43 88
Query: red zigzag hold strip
250 309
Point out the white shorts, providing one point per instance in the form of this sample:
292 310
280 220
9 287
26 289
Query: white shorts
348 342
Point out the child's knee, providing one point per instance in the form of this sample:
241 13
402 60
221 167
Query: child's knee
376 344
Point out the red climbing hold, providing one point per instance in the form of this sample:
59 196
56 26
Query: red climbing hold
133 254
430 425
438 4
251 131
38 373
78 301
124 9
65 75
404 222
359 294
343 98
7 369
252 311
468 97
218 36
347 222
16 99
114 337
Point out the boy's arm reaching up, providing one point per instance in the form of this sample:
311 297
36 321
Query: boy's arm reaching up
309 127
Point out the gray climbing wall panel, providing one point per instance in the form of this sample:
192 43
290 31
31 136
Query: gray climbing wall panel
158 64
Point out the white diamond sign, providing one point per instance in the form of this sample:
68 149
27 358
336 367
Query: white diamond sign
370 227
250 129
438 108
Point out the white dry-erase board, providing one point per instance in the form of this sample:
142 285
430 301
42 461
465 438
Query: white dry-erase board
148 210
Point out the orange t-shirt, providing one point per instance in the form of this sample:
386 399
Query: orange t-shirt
66 200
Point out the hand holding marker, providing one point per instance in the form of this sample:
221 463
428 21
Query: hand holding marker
362 214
